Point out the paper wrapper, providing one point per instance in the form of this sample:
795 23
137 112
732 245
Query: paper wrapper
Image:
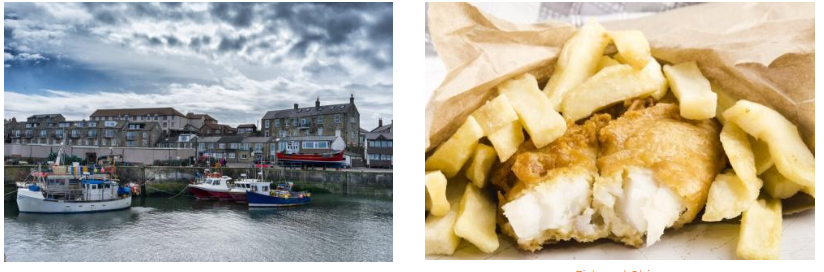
762 52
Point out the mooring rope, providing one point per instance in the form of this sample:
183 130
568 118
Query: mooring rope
10 193
181 191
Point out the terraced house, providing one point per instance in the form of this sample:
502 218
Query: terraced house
328 120
53 129
168 118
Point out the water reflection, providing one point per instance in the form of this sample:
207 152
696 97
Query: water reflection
332 228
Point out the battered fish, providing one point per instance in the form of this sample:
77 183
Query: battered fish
546 194
621 179
655 172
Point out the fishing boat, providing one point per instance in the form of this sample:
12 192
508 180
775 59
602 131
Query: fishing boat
211 186
238 191
71 189
260 195
331 159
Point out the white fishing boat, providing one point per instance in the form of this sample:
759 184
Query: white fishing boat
69 189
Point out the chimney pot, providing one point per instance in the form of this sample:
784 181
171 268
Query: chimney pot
296 106
380 122
317 102
352 99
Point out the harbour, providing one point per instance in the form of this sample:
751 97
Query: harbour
158 229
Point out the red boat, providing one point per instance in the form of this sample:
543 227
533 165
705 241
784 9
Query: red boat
214 186
333 160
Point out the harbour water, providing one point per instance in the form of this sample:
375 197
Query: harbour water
331 228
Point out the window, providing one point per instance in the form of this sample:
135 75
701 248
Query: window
43 133
114 142
110 133
265 188
64 125
145 142
320 131
246 146
351 135
243 156
75 133
320 120
110 123
277 123
282 133
323 144
165 117
231 155
337 119
58 133
130 135
211 145
104 142
286 123
145 135
266 133
266 123
352 120
92 124
308 145
221 146
134 126
173 117
233 145
78 124
258 147
94 141
134 118
304 122
295 122
129 143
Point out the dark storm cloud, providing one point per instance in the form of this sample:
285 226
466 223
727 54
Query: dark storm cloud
231 44
237 14
172 41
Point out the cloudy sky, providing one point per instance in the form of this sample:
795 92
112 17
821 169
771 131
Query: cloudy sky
233 61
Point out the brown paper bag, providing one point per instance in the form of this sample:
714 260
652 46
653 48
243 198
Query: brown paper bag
762 52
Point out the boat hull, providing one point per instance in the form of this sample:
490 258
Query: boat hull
199 193
29 202
238 196
258 200
222 196
333 161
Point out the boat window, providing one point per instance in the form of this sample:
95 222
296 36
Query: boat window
265 188
94 186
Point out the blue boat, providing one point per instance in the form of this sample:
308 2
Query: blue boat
260 195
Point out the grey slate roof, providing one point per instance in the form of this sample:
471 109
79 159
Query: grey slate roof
308 111
375 135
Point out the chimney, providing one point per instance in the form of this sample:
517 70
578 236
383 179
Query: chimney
380 122
296 106
317 102
352 99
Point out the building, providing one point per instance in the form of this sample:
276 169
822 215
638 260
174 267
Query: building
198 120
168 118
246 129
378 146
56 130
215 129
328 120
307 144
